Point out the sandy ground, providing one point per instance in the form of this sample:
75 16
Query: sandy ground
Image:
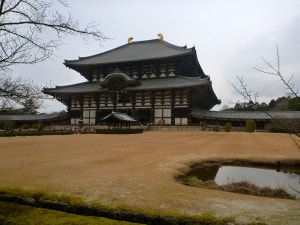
138 170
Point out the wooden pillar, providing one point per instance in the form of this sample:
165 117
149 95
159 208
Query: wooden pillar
97 100
172 107
81 105
106 99
133 103
152 101
114 100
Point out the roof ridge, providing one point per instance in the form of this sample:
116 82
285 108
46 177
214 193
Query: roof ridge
159 40
95 55
130 44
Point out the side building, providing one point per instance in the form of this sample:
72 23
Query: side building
153 81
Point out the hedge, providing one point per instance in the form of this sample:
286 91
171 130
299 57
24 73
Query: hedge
216 128
278 130
98 131
119 131
34 133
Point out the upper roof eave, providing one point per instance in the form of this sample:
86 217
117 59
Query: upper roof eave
72 65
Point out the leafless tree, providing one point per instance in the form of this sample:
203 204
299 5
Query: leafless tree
22 92
248 96
30 30
276 71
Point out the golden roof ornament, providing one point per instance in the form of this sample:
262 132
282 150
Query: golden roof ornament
130 40
160 36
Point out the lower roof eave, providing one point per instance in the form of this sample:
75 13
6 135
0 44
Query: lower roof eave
133 89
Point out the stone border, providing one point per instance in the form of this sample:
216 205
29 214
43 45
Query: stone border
122 215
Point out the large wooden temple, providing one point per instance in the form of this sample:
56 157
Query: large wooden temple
153 81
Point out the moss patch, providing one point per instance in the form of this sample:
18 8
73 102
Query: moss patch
14 214
74 205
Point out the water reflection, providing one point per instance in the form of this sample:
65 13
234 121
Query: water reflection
204 173
262 177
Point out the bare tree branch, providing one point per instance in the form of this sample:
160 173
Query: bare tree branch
252 99
9 9
1 6
23 25
276 72
20 91
245 93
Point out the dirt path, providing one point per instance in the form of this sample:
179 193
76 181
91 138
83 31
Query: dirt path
139 170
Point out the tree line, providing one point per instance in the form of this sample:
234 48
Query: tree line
285 103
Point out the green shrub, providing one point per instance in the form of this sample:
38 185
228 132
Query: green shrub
277 130
216 128
39 126
250 126
25 126
5 125
227 127
119 131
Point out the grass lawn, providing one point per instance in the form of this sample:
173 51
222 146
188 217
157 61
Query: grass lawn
14 214
137 172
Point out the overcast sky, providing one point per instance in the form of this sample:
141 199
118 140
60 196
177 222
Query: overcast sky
230 37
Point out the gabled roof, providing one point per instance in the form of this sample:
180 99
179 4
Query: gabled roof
145 84
135 51
119 116
129 81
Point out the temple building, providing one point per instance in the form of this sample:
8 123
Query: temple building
153 81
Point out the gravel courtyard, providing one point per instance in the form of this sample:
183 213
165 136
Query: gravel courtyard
138 170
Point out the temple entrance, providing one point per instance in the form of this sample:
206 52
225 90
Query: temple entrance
100 114
144 116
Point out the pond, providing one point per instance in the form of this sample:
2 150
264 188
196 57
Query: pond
285 178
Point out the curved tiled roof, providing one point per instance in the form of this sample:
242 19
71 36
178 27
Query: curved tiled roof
135 51
244 115
84 87
119 116
145 84
37 117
